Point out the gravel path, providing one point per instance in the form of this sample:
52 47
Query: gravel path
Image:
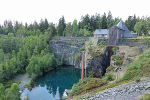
25 80
127 91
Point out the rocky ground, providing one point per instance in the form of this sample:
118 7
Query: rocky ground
127 91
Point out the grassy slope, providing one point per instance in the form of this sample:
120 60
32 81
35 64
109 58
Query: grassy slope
139 68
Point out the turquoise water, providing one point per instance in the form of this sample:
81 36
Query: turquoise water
54 85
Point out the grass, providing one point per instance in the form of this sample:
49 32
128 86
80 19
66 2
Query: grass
140 67
145 96
109 77
82 49
88 96
137 79
86 84
111 68
118 60
145 40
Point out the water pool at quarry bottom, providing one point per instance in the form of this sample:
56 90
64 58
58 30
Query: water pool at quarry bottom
53 85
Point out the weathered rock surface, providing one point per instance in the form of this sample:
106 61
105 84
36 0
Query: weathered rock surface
96 61
68 50
127 91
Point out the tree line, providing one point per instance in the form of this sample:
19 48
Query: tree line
85 27
19 55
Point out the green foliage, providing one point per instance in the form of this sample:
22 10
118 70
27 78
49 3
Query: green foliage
114 50
146 40
76 57
91 74
88 96
86 84
136 78
62 60
13 93
41 64
109 77
31 82
126 76
111 68
148 24
2 92
139 67
68 30
145 96
75 27
118 60
76 89
82 49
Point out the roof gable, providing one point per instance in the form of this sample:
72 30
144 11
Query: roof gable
123 26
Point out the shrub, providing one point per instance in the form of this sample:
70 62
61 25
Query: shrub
111 68
31 82
126 76
76 89
109 77
136 78
114 50
88 96
82 49
91 74
76 57
118 60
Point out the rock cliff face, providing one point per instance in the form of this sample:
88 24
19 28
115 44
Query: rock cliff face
95 59
68 50
96 63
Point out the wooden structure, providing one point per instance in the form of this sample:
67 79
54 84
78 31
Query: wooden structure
114 33
82 73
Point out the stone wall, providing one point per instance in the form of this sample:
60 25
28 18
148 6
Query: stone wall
71 38
68 50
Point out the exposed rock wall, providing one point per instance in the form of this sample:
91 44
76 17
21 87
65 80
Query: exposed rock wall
68 50
97 64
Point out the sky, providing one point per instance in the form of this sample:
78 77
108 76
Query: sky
31 10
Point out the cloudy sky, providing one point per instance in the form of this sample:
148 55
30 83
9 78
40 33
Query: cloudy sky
30 10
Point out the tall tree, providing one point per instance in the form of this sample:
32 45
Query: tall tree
68 30
104 21
148 24
35 25
46 24
52 30
98 21
75 27
110 20
60 28
41 25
